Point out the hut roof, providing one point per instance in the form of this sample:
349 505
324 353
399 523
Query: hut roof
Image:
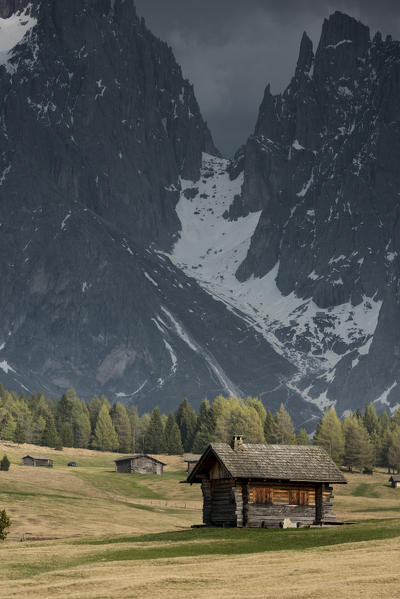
277 462
395 478
139 455
192 457
37 457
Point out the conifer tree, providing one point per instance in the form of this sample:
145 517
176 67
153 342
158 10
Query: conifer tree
371 421
258 406
393 452
8 427
50 435
38 426
302 437
329 435
67 434
122 426
154 441
396 418
80 421
269 427
134 420
384 423
284 429
19 433
186 421
358 450
94 409
173 442
5 523
105 437
205 427
5 464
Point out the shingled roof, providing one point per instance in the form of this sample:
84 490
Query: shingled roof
274 462
126 458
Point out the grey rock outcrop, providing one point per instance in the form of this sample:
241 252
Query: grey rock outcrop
98 127
322 166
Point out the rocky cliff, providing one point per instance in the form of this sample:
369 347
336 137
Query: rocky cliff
321 167
98 131
138 263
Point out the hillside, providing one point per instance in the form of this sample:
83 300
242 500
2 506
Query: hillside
106 534
92 499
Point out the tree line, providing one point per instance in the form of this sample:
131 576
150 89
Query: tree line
358 441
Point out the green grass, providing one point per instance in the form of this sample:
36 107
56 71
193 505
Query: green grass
216 541
377 510
366 490
131 485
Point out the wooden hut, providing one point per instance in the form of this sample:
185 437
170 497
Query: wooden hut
395 480
265 485
191 460
140 464
37 460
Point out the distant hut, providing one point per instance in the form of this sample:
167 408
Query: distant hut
140 464
395 480
191 460
37 460
265 485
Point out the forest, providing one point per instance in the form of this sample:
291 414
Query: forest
360 440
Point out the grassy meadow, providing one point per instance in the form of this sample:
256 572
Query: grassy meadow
89 532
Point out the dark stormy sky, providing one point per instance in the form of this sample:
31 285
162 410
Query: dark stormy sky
230 49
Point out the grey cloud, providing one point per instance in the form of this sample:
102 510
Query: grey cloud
230 49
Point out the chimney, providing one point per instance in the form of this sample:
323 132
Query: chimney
237 442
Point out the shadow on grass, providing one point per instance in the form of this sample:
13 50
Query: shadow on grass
217 541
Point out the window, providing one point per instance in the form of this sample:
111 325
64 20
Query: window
263 495
298 497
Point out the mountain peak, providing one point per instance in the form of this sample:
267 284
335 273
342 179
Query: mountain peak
306 54
340 27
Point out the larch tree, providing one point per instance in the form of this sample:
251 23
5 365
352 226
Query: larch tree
19 433
358 449
302 437
154 441
173 441
105 437
269 427
205 428
186 420
329 435
284 430
371 421
94 409
122 425
134 420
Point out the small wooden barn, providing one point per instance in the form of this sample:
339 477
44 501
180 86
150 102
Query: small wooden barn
264 485
37 460
191 460
395 480
140 464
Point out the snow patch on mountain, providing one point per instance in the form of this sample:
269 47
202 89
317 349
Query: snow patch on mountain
211 247
5 367
12 32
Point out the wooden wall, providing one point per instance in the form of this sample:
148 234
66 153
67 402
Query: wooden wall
40 463
140 466
264 504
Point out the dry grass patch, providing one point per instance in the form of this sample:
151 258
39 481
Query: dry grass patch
92 499
353 570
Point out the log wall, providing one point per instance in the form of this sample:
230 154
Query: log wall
265 504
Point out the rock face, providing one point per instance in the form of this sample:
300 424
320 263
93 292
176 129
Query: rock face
98 130
138 263
322 165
